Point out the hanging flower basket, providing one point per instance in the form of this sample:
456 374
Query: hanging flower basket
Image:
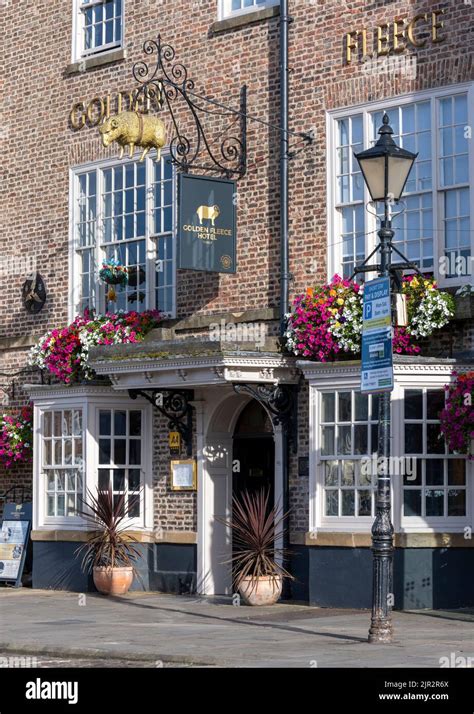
113 273
64 352
326 321
428 308
457 418
16 437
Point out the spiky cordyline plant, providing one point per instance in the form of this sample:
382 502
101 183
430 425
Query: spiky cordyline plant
108 542
254 527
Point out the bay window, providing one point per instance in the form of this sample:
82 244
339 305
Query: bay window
432 488
435 230
90 439
438 487
124 211
348 435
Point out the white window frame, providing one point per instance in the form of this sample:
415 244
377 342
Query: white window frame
414 524
51 467
331 378
317 520
334 260
225 11
363 521
90 400
150 235
77 51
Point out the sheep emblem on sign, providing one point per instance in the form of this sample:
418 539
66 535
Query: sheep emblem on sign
209 213
134 129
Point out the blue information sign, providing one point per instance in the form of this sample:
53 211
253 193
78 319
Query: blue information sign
377 357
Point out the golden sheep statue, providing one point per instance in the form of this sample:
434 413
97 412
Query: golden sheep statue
134 129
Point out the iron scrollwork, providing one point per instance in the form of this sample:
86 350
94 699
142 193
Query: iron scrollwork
281 403
175 406
167 82
9 387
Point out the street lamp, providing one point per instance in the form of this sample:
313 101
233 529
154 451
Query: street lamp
385 168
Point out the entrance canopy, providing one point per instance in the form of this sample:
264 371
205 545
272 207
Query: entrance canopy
190 363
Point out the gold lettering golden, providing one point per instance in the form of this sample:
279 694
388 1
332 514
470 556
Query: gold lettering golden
141 101
383 39
154 96
435 26
93 117
120 103
411 31
91 112
77 116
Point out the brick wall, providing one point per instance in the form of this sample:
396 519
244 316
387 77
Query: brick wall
41 150
174 510
38 147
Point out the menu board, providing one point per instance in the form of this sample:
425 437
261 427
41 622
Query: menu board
183 475
12 544
14 534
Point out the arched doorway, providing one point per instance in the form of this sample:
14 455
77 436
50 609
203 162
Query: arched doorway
253 452
223 429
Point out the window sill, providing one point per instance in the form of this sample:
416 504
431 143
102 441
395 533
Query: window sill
80 535
249 18
98 60
401 540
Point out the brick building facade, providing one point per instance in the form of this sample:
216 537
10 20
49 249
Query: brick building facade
349 62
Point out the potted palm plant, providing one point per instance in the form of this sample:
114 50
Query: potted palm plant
256 563
110 550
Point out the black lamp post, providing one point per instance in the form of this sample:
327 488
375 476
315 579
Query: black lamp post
385 168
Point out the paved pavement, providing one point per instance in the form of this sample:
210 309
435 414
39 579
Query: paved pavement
160 630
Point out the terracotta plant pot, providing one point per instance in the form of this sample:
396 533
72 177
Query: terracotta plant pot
265 590
113 581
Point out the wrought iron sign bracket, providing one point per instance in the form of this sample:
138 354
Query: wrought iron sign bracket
168 84
280 401
174 405
9 387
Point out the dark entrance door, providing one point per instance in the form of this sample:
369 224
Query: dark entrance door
254 450
256 456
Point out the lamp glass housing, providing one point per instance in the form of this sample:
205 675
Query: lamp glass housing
385 166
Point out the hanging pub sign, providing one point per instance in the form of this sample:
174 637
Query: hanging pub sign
206 224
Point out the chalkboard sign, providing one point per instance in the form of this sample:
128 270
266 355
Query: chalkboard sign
14 535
